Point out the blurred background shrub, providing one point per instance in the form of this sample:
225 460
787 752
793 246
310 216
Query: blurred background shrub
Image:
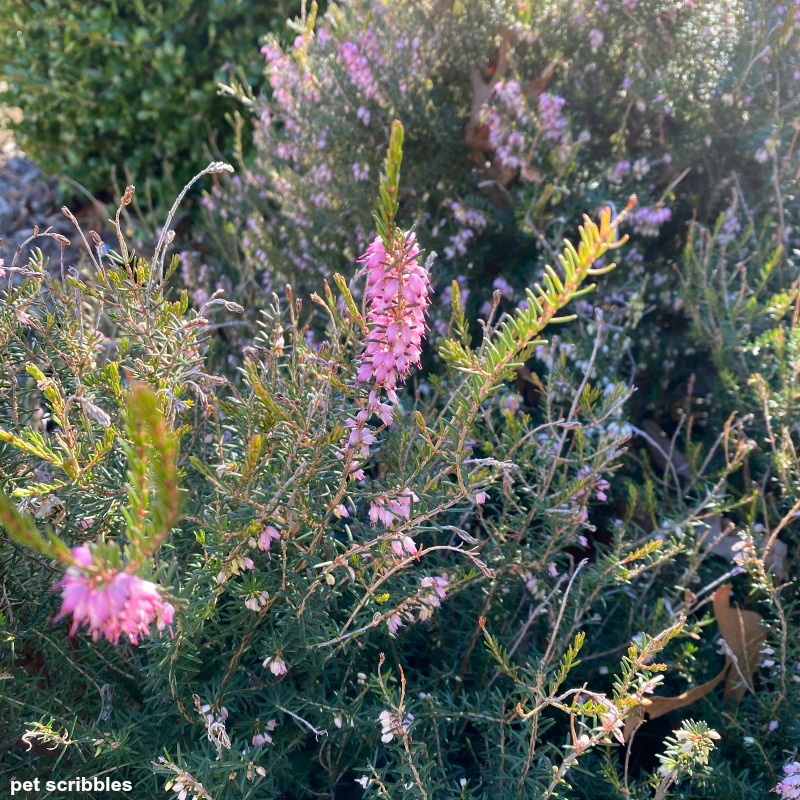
127 91
520 117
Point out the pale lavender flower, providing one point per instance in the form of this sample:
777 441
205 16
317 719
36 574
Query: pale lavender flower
596 38
360 171
277 666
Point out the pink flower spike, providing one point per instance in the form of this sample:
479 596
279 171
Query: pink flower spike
397 293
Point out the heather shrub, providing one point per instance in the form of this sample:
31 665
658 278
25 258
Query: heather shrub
387 541
312 581
520 117
114 91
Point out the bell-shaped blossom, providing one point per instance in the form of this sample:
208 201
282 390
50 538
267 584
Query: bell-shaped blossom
392 724
265 737
112 604
277 666
398 288
393 623
432 591
268 534
388 508
404 544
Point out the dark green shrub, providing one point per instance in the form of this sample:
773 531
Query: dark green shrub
127 88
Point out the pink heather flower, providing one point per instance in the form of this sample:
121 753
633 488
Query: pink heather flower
277 666
359 72
257 601
382 410
360 437
397 292
271 52
267 536
612 724
386 508
435 591
393 623
789 787
212 716
554 124
596 484
402 543
265 738
112 604
439 586
480 498
355 447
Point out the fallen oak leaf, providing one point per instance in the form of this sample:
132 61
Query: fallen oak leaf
477 134
743 632
658 706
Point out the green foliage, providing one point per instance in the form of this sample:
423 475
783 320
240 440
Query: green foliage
279 636
336 564
128 90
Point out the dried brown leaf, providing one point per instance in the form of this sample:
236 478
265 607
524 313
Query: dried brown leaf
744 633
658 706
